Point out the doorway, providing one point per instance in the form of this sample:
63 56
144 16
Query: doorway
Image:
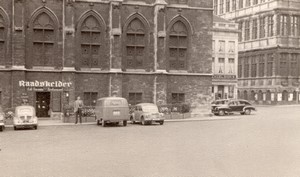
42 104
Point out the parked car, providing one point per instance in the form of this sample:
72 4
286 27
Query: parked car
25 117
111 110
2 116
147 113
226 106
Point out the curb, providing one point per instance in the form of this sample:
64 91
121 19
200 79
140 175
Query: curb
213 118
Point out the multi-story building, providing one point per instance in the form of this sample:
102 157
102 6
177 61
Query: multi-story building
269 48
224 58
144 50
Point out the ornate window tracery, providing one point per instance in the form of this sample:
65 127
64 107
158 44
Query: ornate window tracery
178 44
43 40
2 41
90 42
135 44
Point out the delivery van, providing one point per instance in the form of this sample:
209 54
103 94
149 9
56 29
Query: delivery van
112 110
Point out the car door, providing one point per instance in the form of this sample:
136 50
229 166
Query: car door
233 106
241 106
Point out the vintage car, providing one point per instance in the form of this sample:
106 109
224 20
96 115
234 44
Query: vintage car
146 113
25 117
111 110
227 106
2 116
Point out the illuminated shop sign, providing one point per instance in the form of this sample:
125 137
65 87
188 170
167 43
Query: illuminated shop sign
44 85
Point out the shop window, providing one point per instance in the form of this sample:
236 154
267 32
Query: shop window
135 98
178 44
43 40
90 98
90 42
2 41
135 44
178 98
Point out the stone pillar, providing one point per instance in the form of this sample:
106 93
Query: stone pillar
160 63
18 33
69 41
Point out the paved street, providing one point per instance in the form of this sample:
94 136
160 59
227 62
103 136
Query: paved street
264 144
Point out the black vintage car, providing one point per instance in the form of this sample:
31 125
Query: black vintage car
227 106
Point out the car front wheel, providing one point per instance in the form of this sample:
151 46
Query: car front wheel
161 122
221 112
247 111
1 128
143 121
103 123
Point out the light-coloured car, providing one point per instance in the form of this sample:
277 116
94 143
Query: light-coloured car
25 117
2 115
147 113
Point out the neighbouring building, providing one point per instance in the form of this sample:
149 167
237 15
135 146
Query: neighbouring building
269 48
52 51
224 58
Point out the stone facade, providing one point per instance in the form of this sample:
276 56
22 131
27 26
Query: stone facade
225 58
269 48
145 50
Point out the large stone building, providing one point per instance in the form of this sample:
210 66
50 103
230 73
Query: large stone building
269 48
144 50
224 58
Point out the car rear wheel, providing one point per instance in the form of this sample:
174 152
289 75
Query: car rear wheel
98 122
103 123
124 123
247 111
35 127
143 121
1 128
15 128
161 122
221 112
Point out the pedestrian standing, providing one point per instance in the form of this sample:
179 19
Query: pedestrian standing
78 104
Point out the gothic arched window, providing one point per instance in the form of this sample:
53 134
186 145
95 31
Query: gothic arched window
90 42
2 41
178 44
135 44
43 40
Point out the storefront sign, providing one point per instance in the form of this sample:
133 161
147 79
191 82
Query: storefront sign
44 85
218 76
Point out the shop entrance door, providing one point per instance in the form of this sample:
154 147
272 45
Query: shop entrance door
42 104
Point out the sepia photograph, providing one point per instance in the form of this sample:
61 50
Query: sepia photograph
149 88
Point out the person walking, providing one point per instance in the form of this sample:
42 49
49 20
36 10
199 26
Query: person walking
78 104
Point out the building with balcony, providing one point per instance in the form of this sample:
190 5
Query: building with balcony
52 51
269 48
224 58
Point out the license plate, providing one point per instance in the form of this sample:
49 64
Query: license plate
116 113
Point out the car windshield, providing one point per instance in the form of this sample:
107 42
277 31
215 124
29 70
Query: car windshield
25 111
152 109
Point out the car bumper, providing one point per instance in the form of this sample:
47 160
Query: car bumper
1 124
154 120
24 125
